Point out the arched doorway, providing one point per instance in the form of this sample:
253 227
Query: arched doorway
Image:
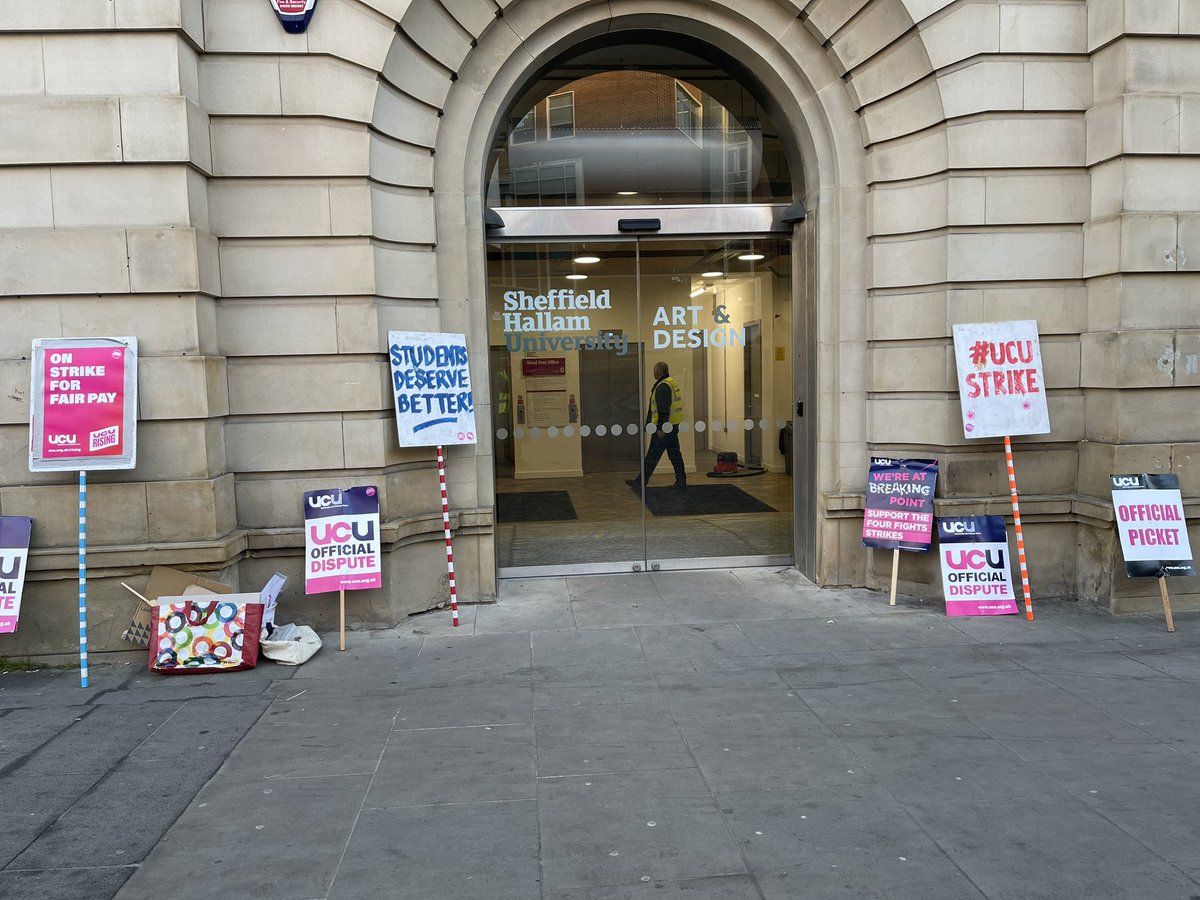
640 308
831 255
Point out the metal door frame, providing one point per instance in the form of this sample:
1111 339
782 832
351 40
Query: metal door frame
573 224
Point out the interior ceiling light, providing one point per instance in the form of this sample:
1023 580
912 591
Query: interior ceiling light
709 274
750 256
576 276
698 291
626 193
586 260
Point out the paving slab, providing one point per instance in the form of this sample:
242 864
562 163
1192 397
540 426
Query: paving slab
54 884
1048 848
694 641
606 723
31 805
720 887
469 851
614 612
286 836
600 648
785 741
842 841
626 827
482 763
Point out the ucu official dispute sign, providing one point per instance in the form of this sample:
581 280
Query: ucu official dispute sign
341 540
976 567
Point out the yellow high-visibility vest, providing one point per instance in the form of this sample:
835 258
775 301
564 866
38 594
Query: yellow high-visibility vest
676 414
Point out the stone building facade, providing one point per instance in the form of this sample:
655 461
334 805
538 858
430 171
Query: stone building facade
259 208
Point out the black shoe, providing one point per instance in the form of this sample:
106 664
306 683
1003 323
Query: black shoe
635 484
681 486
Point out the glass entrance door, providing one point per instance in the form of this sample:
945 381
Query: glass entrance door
640 392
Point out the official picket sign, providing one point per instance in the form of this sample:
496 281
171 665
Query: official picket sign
976 571
431 384
1000 382
1152 525
341 540
899 512
84 410
14 554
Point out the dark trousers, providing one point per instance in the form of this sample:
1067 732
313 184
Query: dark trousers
667 442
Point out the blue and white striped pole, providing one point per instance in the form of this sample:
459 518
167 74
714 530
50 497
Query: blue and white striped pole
83 668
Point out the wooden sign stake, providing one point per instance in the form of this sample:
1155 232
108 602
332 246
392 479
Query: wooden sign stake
1016 508
1162 589
341 618
895 572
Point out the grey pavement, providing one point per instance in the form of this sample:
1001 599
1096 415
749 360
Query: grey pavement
718 735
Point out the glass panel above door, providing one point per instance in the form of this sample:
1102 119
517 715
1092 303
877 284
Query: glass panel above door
638 125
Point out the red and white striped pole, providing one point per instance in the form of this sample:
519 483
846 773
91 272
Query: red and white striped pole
1016 508
446 528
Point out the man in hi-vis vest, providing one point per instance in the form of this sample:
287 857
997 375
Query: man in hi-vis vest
665 412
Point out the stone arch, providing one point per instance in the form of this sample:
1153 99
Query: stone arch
853 81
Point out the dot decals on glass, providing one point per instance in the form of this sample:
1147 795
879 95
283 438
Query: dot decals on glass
552 431
667 428
519 433
502 434
601 431
716 426
535 432
764 424
683 426
650 428
568 431
700 427
585 430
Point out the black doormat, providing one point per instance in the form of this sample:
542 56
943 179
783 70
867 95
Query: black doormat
534 506
702 499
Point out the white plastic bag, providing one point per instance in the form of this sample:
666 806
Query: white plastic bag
292 652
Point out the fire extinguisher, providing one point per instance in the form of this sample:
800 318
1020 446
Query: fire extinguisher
572 409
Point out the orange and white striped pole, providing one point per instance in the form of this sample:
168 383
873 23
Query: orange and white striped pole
446 529
1016 507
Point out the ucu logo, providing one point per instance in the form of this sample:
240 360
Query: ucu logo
342 532
959 527
1126 481
62 439
975 559
324 501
